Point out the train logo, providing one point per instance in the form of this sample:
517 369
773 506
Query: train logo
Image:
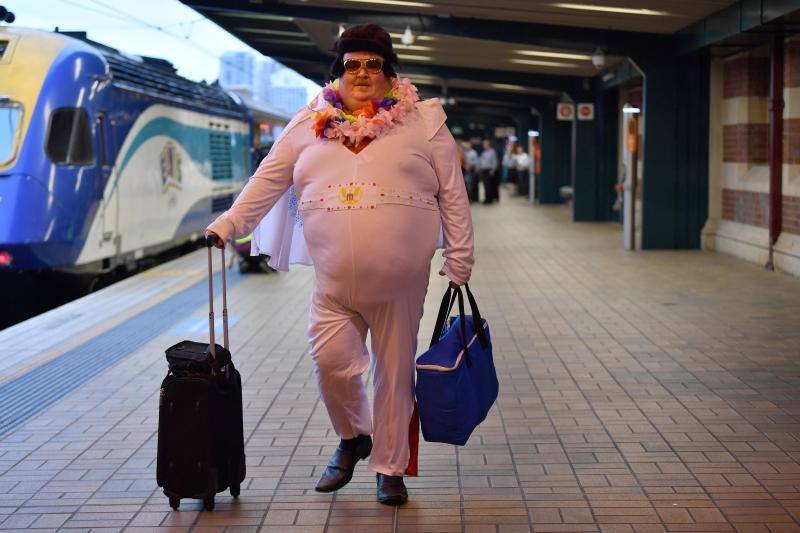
170 167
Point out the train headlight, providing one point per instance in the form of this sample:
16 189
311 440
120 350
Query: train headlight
5 259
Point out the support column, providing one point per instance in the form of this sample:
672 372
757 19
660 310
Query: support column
585 184
675 155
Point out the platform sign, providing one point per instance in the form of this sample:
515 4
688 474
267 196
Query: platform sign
565 111
585 111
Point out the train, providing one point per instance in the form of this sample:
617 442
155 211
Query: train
107 158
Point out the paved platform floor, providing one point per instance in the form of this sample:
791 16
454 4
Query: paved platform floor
640 392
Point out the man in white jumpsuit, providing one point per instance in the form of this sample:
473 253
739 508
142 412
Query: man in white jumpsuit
374 194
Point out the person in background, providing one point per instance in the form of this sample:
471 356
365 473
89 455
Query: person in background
487 163
509 164
473 171
522 163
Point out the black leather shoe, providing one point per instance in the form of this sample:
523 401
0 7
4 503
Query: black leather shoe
391 490
340 468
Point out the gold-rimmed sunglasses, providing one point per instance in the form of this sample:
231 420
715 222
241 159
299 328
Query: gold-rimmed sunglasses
372 64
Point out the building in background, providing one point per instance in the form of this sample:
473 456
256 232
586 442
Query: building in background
269 82
237 69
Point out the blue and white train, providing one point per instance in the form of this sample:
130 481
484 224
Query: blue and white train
106 158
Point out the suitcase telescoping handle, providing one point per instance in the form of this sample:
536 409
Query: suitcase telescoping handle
212 344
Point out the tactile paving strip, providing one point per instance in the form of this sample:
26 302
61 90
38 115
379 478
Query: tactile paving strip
28 394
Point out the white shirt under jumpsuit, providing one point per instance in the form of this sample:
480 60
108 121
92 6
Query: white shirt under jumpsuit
369 222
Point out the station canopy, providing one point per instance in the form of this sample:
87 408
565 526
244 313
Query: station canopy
500 52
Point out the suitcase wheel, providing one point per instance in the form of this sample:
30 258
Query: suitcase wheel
208 503
175 503
235 490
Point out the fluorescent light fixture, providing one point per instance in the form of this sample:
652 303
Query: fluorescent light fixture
533 133
542 63
272 32
417 47
508 86
414 58
408 36
628 109
557 55
416 37
614 9
401 3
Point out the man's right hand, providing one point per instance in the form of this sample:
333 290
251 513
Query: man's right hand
212 239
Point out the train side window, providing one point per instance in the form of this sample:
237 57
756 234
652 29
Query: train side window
69 137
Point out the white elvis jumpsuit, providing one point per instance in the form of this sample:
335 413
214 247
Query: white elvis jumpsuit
371 222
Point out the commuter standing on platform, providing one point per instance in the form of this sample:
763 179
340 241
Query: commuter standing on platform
361 184
522 162
488 166
473 171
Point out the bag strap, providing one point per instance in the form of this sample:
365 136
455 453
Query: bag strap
463 326
449 298
476 318
444 312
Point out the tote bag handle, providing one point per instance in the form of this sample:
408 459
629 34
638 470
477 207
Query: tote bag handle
445 308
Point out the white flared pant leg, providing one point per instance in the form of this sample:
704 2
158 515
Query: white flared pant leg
337 336
338 350
393 327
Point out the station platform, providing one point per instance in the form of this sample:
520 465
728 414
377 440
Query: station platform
640 392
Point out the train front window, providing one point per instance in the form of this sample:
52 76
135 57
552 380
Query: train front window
10 122
69 137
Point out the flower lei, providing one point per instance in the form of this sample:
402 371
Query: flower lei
331 121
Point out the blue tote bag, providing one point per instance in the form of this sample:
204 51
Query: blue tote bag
456 379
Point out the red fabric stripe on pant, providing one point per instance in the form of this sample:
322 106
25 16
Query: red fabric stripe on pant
413 442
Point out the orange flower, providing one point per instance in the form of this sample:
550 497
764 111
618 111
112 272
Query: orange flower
320 123
368 110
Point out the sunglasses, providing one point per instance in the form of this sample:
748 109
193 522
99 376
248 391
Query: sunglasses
372 64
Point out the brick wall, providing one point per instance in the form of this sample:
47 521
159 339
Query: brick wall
792 64
746 75
791 214
745 143
746 207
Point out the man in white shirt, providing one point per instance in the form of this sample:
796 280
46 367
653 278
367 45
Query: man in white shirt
473 171
488 165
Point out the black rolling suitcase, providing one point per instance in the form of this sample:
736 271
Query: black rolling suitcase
200 431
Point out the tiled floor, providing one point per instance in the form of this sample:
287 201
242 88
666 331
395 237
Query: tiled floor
640 392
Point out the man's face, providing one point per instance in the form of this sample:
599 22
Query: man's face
359 87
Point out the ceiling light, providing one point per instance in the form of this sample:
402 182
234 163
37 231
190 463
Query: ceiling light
614 9
508 86
628 109
402 3
407 37
414 58
417 37
559 55
272 32
416 47
542 63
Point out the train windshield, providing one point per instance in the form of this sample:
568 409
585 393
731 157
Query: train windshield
10 121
